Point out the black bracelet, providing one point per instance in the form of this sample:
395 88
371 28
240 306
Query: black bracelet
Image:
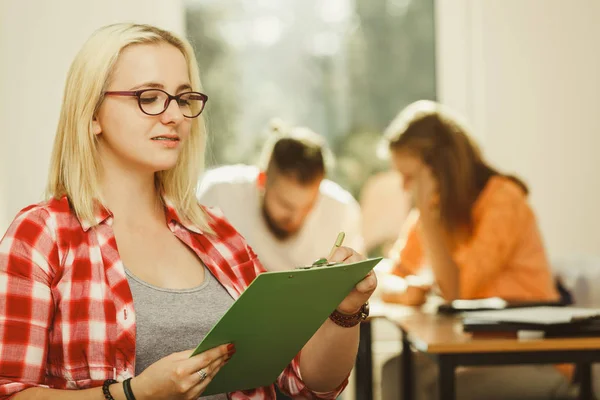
105 391
127 389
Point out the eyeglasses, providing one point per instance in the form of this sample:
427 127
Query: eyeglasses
156 101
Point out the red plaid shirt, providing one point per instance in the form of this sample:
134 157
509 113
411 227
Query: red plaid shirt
66 312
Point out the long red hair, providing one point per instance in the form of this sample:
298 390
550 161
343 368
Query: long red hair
436 135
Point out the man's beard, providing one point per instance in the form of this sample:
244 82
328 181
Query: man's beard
279 233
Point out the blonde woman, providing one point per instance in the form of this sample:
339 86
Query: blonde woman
99 279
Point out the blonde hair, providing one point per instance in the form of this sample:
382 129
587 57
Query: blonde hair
74 167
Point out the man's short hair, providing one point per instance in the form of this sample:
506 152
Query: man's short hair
297 152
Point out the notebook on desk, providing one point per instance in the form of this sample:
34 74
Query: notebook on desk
553 321
272 320
491 303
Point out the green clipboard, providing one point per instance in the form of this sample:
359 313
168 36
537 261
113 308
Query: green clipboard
274 318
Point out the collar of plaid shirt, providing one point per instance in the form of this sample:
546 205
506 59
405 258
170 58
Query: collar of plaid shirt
68 320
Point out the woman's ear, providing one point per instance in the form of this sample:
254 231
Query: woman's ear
96 128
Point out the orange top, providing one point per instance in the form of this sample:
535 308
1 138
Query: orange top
504 257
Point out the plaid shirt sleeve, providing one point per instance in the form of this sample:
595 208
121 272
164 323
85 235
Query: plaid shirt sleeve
28 255
290 382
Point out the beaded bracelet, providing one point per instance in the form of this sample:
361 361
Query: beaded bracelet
105 391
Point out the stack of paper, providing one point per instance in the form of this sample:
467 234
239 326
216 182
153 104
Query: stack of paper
536 315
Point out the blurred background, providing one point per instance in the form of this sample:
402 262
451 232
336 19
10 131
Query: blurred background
342 67
525 73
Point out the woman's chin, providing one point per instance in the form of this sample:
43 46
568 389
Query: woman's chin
165 165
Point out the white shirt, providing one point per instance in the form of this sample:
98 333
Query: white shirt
234 190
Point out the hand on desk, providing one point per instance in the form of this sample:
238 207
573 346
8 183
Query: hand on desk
363 290
412 296
409 292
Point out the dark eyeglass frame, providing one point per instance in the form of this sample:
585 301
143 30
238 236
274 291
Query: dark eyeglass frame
139 93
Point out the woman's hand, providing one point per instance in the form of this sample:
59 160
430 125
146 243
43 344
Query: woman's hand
363 289
179 376
410 290
411 296
425 191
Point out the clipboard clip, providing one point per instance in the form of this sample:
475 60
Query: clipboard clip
321 262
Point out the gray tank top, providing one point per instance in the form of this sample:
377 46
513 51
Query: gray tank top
169 321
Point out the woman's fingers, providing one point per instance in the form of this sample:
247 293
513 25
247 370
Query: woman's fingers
205 367
199 388
196 363
346 255
209 371
368 284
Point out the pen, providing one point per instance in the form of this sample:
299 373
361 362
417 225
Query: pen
325 261
338 243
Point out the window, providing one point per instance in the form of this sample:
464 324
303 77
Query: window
343 68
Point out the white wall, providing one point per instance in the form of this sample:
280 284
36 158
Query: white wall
527 75
38 40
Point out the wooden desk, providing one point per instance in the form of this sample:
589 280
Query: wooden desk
443 338
435 334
